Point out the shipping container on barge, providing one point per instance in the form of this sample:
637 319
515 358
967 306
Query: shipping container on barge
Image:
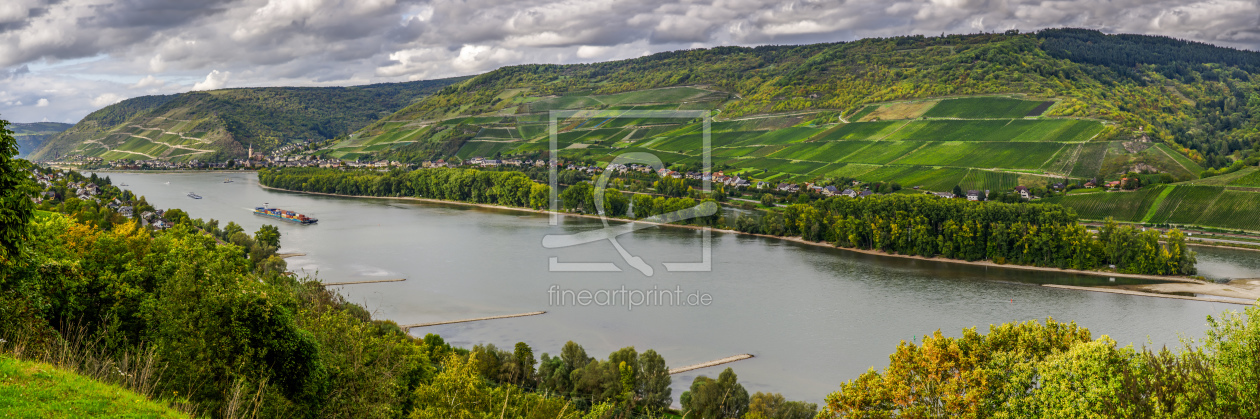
289 216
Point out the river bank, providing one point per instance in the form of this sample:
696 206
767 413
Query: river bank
798 239
1177 287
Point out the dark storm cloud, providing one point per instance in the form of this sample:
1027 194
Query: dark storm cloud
167 45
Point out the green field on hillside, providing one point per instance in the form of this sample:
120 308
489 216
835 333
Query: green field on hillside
866 110
505 133
982 180
1251 179
984 155
1016 130
1234 209
1123 206
486 149
881 152
1089 160
862 131
929 178
982 107
783 136
824 152
1184 204
847 170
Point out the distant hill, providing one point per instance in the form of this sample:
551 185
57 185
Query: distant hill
32 135
222 124
1195 100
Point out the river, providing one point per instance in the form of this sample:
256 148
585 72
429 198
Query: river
813 317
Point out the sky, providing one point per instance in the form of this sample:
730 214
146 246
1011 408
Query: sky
62 59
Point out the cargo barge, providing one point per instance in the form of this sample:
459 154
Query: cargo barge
289 216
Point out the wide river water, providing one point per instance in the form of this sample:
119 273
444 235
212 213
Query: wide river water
813 317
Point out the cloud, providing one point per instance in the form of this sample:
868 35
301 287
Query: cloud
106 100
42 103
592 51
148 82
156 64
86 46
214 80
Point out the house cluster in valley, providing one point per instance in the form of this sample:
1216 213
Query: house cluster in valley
58 187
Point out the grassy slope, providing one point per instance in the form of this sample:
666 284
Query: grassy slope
36 390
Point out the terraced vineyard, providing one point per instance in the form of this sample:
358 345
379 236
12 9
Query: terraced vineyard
1233 209
1089 160
1249 177
162 138
1185 204
984 143
1179 204
223 124
982 107
1000 130
1123 206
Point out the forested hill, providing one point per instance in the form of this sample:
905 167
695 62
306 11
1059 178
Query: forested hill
221 124
1200 99
31 135
1223 111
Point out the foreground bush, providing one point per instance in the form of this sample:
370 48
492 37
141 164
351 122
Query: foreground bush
1054 369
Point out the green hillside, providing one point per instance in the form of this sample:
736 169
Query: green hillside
30 136
37 390
221 124
978 145
987 111
1191 98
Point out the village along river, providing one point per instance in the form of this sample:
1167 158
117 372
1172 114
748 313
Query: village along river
813 317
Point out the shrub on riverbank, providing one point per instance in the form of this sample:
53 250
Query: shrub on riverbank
1031 369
